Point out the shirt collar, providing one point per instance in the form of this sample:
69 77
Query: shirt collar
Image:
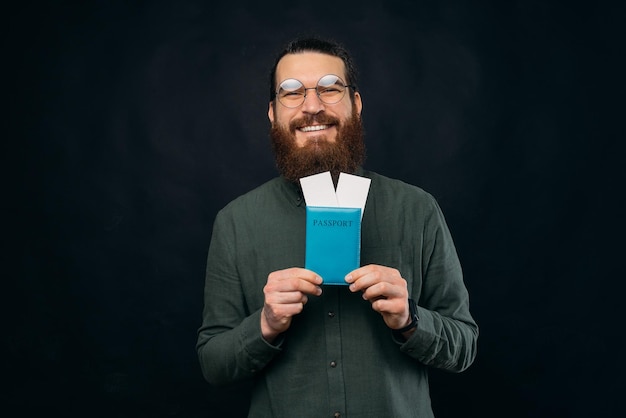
292 191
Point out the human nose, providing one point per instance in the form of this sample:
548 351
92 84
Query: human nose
312 103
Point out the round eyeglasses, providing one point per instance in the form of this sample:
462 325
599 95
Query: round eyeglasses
330 89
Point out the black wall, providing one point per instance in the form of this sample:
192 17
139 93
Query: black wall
130 124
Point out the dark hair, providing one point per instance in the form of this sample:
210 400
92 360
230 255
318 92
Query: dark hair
323 46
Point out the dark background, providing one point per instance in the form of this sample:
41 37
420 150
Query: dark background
129 124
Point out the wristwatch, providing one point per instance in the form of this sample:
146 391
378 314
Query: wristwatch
414 319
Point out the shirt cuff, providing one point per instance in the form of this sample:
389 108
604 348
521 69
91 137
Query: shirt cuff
423 337
257 350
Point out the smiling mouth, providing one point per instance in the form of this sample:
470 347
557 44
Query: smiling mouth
313 128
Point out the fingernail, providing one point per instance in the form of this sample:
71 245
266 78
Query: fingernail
348 278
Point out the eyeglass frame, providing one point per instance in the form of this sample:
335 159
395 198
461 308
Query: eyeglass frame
317 93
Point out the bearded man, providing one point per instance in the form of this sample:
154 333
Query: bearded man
360 350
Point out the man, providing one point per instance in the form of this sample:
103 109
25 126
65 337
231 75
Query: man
360 350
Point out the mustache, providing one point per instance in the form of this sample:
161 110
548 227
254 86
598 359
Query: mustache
320 119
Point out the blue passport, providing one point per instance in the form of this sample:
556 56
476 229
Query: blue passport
333 242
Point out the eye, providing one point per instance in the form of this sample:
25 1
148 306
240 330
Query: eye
331 90
291 94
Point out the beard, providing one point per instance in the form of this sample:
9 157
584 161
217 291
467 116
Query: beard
318 155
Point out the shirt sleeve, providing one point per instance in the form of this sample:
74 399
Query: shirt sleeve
446 336
230 345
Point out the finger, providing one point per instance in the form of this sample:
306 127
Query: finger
298 279
389 306
293 285
299 285
385 290
277 298
284 310
297 272
355 275
365 277
278 317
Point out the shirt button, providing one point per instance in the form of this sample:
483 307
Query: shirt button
331 314
333 364
337 415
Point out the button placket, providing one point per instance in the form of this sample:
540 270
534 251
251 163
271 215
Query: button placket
332 325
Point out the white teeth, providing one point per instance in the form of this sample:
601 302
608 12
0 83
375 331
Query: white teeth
314 128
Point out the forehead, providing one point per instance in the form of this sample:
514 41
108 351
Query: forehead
309 67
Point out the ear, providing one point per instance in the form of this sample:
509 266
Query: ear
270 112
358 103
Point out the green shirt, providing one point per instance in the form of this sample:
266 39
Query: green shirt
338 358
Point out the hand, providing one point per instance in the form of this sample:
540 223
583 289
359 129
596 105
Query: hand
386 290
285 296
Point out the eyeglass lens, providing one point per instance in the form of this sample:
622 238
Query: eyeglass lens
330 89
